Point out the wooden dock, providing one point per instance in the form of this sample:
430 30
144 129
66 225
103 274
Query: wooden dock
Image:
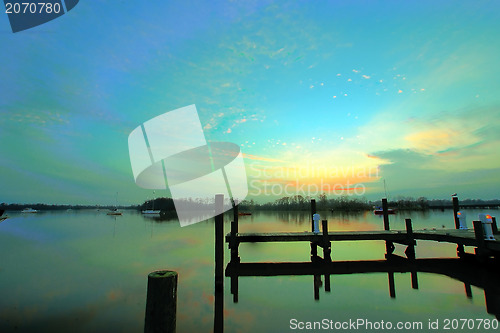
484 261
459 237
408 237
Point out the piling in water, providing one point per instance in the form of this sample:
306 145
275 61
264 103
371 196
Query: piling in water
161 302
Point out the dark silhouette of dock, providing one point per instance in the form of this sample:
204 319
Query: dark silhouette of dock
480 269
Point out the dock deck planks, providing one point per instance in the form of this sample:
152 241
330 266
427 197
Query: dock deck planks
461 237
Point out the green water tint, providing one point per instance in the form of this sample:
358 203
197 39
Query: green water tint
88 271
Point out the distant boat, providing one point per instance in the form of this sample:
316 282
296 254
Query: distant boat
151 212
29 210
380 211
244 214
114 212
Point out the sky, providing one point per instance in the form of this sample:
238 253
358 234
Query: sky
330 97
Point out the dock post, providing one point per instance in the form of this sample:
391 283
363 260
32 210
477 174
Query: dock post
456 208
234 243
386 214
161 302
219 240
219 263
492 300
494 226
460 250
327 245
410 248
314 246
479 233
234 287
468 290
327 250
317 284
414 280
389 246
392 287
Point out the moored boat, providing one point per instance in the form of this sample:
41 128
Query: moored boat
29 210
380 211
151 212
114 212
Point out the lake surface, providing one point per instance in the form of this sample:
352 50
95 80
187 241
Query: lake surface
85 271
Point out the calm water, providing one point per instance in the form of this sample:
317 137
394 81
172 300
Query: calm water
84 271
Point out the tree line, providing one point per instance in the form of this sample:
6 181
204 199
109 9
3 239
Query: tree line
290 203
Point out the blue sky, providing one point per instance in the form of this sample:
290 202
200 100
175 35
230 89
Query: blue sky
315 92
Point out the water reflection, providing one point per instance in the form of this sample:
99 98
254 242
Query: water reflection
87 270
484 275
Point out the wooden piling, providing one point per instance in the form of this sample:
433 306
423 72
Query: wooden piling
492 300
219 264
327 245
479 234
414 279
234 288
235 211
392 287
386 214
233 242
494 226
314 246
410 249
313 211
456 208
468 290
389 246
219 241
161 302
234 245
327 250
317 284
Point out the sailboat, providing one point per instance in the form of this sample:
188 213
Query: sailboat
115 210
151 211
379 210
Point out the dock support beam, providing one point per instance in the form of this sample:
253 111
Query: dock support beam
410 249
456 208
234 245
481 250
327 250
219 263
389 246
219 241
392 286
314 246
